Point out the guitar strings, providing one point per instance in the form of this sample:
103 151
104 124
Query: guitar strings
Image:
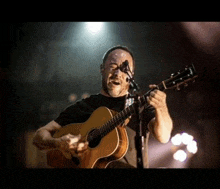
116 120
112 123
108 126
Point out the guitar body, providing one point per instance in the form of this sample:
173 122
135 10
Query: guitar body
112 147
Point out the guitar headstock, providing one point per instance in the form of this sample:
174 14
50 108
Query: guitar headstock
180 78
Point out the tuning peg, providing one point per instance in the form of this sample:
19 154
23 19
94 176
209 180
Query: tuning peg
185 84
178 88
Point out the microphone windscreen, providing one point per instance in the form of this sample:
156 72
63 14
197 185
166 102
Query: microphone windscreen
124 66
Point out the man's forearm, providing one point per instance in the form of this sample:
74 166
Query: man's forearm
161 126
44 140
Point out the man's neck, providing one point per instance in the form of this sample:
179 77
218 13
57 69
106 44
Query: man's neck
107 95
104 93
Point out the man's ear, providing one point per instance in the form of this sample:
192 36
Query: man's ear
101 68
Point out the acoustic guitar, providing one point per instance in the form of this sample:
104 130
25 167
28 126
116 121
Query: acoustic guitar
105 130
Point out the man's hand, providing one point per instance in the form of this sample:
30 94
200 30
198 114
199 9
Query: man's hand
71 146
157 98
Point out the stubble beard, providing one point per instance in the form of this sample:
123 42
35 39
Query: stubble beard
112 91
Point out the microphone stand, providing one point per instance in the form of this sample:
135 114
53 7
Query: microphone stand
139 138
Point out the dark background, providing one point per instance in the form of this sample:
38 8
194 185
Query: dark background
43 63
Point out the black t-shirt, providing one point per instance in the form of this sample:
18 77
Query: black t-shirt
82 110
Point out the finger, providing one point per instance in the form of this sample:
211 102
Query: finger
152 86
65 138
156 103
156 92
152 93
73 147
154 99
72 136
150 102
160 93
82 147
86 145
83 152
75 139
78 136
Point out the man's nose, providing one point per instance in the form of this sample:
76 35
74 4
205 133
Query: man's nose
117 72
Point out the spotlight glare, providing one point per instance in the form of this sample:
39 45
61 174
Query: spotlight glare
94 27
180 155
85 95
176 140
186 138
72 97
192 147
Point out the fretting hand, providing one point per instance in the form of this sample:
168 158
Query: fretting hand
161 126
157 98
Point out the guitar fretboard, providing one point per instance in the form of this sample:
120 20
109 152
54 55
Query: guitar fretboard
116 120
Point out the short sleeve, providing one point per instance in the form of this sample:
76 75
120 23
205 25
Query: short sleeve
146 115
77 113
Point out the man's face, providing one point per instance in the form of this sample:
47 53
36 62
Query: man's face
114 82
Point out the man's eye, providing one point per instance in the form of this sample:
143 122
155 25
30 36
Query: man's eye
113 67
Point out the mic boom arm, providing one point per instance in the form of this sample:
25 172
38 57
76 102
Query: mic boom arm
126 69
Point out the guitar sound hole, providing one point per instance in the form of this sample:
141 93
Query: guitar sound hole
94 138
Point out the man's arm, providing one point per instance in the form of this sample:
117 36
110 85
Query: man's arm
43 137
68 144
161 126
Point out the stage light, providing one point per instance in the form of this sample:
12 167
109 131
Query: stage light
183 147
72 97
94 27
180 155
186 138
85 95
192 147
177 139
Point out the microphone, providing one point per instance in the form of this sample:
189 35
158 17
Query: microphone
124 66
126 69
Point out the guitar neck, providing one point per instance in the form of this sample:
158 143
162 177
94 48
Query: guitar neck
175 81
116 120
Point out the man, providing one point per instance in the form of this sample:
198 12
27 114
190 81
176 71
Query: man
113 95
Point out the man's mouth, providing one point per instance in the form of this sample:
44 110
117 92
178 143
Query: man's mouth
115 82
